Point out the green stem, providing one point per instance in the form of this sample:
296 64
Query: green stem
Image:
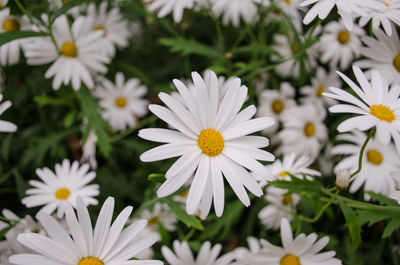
189 235
321 212
360 159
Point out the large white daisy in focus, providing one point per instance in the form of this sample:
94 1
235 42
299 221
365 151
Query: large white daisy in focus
380 170
61 188
302 250
376 106
233 10
211 139
78 55
6 126
106 244
166 7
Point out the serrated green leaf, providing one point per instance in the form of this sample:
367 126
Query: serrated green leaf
352 224
371 217
20 34
188 220
390 227
187 47
383 199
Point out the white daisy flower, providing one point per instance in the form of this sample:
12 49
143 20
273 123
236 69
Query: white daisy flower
105 244
241 253
6 126
77 57
303 131
379 163
260 82
376 106
325 161
57 4
207 255
89 150
271 103
302 250
60 189
3 3
122 101
291 8
383 16
10 52
280 206
182 198
160 213
233 10
339 46
10 246
211 141
166 7
312 94
114 26
383 55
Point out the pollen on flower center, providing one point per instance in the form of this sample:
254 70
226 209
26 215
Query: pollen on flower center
68 49
290 259
396 62
103 29
90 261
343 37
11 24
382 112
62 193
211 142
309 129
283 174
294 48
277 106
184 194
152 221
385 2
120 102
287 199
374 157
319 92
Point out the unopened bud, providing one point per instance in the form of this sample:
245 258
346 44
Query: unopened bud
343 179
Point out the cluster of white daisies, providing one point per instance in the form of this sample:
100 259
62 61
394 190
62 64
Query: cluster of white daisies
210 133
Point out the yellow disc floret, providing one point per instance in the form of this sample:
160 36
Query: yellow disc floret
120 102
11 24
283 174
374 157
152 221
343 37
90 261
211 142
309 129
396 62
382 112
287 200
277 106
68 49
319 92
290 259
62 193
103 29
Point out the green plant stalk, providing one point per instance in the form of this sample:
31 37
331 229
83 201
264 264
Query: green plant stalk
321 212
360 159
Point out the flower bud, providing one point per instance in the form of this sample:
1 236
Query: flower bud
342 179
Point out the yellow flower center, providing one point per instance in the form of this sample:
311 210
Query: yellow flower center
103 29
382 112
283 174
184 194
287 2
211 142
65 1
294 48
374 157
319 92
120 102
343 37
287 199
68 49
90 261
385 2
1 6
396 62
152 221
11 24
277 106
309 129
290 259
62 194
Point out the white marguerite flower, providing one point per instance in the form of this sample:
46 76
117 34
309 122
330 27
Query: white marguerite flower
312 94
383 15
211 139
122 101
280 206
343 178
10 246
303 131
376 106
89 150
61 189
114 26
166 7
6 126
162 214
339 46
107 243
383 55
233 10
207 255
302 250
78 55
291 8
241 253
272 102
10 51
380 163
57 4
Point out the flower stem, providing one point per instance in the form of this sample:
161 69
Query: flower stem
360 159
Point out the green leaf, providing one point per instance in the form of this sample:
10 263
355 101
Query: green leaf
371 217
352 224
390 227
382 199
187 47
299 186
6 147
95 121
256 48
20 34
21 185
188 220
156 177
67 6
165 238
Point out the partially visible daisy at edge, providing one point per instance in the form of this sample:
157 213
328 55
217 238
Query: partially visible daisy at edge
233 10
6 126
166 7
